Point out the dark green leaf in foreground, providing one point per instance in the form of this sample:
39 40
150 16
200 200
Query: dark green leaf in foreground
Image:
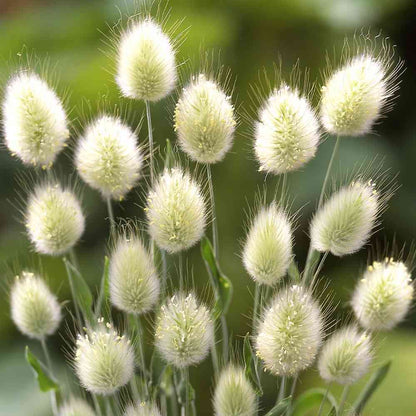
281 407
312 399
45 382
250 365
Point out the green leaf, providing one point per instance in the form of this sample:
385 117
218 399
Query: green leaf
281 407
293 272
251 365
312 399
182 388
376 379
45 382
82 290
221 284
104 295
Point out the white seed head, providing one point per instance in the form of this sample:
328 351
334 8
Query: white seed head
345 222
204 121
354 96
290 332
76 407
104 360
287 133
34 308
184 330
383 296
176 213
34 120
107 157
268 248
146 62
134 284
234 394
143 409
345 356
54 219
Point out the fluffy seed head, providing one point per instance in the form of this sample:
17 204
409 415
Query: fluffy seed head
383 296
345 356
134 284
146 62
143 409
184 330
34 308
290 332
54 219
204 121
104 360
34 120
287 133
234 394
76 407
107 157
268 247
345 222
354 96
176 213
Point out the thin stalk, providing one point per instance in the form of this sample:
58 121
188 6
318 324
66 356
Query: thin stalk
73 292
213 212
343 400
185 380
308 265
321 406
180 270
257 290
97 406
141 351
282 390
215 360
111 217
54 403
319 268
151 144
164 270
292 394
108 407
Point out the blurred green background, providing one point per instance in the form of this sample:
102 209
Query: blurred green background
251 35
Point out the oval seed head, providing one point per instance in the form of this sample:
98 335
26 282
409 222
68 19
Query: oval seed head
34 308
76 407
184 330
143 409
290 333
345 356
287 133
104 360
234 394
54 219
107 157
354 96
176 214
34 120
383 296
146 62
204 121
268 249
134 284
345 222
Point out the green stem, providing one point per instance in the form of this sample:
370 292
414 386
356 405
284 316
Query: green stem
282 390
213 213
185 380
54 402
73 292
151 144
97 406
111 217
180 270
309 266
321 406
257 290
140 346
343 400
292 394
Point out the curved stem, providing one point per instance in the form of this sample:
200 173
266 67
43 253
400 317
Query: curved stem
111 217
214 216
73 292
343 400
282 390
54 403
321 406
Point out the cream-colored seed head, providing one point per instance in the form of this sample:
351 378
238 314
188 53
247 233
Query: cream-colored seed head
54 219
268 248
34 308
146 68
76 407
287 132
134 283
234 395
143 409
345 222
383 296
104 360
107 157
184 330
345 356
354 96
290 332
204 121
34 120
176 213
